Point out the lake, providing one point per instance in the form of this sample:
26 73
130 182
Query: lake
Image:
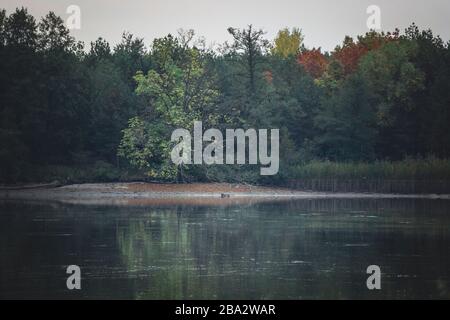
302 249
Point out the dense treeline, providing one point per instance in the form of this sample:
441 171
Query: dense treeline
107 113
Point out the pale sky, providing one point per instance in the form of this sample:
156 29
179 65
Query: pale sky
324 23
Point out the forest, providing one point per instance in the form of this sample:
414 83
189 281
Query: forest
378 105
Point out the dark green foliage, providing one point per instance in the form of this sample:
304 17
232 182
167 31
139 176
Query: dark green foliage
106 113
60 106
346 124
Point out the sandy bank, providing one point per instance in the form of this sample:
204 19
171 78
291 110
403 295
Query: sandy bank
151 193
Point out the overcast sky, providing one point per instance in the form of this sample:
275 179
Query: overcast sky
323 22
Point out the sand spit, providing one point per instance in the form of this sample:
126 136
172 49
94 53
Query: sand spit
160 193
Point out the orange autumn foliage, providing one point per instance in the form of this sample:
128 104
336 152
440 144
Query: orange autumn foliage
351 52
314 62
349 56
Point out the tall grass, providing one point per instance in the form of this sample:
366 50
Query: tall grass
410 169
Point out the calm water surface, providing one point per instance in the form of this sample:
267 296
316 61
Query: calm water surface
280 250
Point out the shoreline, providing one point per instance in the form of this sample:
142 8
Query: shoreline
209 193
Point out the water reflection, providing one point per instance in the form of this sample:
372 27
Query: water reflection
295 249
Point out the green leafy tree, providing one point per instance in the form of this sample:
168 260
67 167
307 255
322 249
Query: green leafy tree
20 29
100 50
394 81
433 60
21 102
178 92
251 44
53 35
130 56
346 124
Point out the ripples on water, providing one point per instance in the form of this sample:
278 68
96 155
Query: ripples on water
276 250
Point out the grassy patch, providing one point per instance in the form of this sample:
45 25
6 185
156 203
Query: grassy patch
411 169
